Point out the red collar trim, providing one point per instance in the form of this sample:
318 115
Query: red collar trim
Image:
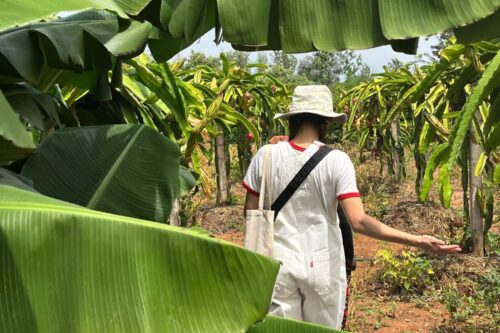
295 146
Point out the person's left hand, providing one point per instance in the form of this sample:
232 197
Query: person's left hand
278 138
436 246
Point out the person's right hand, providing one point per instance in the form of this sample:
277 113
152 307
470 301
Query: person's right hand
436 246
278 138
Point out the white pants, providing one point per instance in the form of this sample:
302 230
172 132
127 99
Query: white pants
316 297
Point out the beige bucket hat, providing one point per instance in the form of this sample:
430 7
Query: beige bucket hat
316 99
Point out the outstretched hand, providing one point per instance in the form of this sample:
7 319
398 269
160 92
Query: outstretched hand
436 246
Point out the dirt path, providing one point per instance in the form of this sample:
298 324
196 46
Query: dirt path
373 311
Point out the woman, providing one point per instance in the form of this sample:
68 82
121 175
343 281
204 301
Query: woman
311 284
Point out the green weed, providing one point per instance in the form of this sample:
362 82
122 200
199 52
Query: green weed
407 273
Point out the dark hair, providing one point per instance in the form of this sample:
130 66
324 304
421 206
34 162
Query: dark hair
318 122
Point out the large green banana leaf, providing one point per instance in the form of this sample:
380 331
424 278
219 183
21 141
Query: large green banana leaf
129 170
81 42
330 25
32 105
409 18
10 178
177 25
15 141
290 25
17 13
484 29
65 268
186 181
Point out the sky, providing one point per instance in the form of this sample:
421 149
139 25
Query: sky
375 57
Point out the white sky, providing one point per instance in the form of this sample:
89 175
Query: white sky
375 58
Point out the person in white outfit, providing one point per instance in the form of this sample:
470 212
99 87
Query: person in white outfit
311 284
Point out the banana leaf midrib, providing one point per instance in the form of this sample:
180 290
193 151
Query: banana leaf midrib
94 200
66 207
44 25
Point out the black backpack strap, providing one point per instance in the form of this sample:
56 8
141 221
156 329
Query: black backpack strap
345 229
299 179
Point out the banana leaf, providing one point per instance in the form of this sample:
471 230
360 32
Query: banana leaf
186 181
130 170
32 105
289 25
408 18
338 24
10 178
66 268
15 141
17 13
485 29
83 41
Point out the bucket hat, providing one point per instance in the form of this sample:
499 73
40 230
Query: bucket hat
315 99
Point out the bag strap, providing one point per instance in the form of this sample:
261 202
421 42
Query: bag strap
265 181
299 179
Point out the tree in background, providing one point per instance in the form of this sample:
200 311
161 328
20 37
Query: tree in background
262 58
284 67
240 58
287 61
330 68
199 58
443 40
394 64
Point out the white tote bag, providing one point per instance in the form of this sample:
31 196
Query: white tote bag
259 223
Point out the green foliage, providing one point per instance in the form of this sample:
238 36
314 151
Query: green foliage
407 273
196 59
260 24
129 170
461 308
288 76
493 243
380 118
84 267
355 24
252 99
484 300
329 68
241 59
13 179
440 108
489 293
15 141
85 42
488 82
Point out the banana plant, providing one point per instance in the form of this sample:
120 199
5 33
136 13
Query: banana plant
263 24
